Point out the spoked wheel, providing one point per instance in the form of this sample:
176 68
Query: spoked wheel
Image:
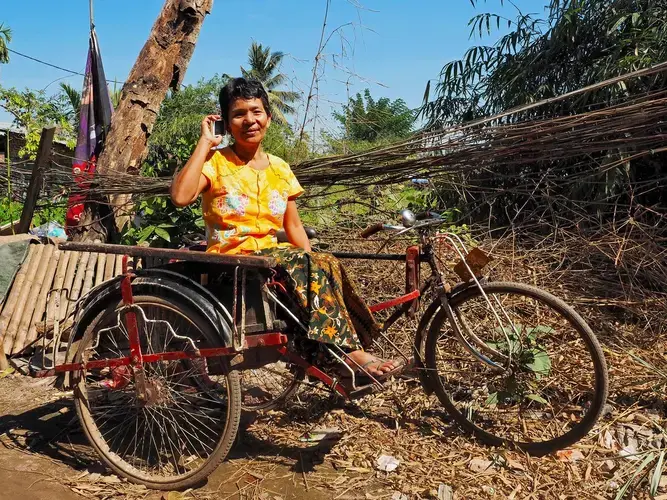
269 386
532 375
185 426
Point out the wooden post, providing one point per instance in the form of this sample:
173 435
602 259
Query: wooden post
43 156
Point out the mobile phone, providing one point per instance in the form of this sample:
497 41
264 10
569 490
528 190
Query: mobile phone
218 127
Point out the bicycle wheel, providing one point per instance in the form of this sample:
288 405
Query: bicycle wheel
186 425
549 383
269 386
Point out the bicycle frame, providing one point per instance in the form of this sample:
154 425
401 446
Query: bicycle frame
134 317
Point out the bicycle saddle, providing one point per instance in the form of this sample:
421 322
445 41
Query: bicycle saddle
282 235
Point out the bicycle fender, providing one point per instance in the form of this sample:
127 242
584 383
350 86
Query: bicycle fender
158 282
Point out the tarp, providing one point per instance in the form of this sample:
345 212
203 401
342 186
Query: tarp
94 123
13 250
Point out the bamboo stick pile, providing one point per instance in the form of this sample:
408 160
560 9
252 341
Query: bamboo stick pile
46 289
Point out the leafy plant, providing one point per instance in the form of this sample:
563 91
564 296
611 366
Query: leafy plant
9 210
159 223
523 346
49 213
33 110
367 123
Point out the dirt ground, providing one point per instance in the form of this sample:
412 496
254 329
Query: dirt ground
44 454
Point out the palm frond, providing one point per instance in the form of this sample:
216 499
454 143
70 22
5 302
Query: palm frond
263 65
278 116
277 104
274 81
74 98
286 96
5 38
274 61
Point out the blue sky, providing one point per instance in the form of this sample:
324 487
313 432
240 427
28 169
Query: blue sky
393 48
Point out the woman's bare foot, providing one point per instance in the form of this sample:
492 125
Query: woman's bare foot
373 365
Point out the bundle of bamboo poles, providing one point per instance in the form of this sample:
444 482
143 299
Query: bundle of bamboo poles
46 289
625 130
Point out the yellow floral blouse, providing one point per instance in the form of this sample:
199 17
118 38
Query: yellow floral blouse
243 208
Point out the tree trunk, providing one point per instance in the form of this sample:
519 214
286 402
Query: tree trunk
160 66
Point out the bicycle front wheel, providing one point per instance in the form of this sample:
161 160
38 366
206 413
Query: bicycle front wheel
525 370
187 421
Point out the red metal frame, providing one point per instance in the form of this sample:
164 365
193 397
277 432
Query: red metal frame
395 302
276 340
313 371
270 339
412 276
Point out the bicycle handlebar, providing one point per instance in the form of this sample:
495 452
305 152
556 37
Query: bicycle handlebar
372 229
379 226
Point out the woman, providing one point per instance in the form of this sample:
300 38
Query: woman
248 195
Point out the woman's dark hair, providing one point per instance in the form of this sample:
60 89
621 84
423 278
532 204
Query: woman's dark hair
241 88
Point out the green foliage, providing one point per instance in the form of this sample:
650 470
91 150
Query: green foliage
580 42
181 114
9 210
524 347
265 66
33 110
5 38
73 101
282 142
365 119
160 223
367 123
341 205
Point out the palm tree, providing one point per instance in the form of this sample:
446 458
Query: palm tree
264 66
5 38
74 98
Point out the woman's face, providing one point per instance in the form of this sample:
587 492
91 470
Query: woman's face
248 121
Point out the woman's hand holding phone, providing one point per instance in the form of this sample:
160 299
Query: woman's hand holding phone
207 127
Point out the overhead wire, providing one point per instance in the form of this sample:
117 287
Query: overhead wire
35 59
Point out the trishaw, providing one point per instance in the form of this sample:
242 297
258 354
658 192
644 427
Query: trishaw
156 356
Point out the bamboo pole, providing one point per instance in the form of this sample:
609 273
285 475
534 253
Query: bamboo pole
90 275
78 282
54 300
4 364
119 265
101 268
67 284
109 268
31 302
21 300
40 309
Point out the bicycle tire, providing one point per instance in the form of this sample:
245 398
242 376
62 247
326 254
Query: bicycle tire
576 432
232 413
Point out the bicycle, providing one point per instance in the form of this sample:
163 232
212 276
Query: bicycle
155 355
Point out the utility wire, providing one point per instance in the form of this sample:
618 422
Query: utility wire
52 65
